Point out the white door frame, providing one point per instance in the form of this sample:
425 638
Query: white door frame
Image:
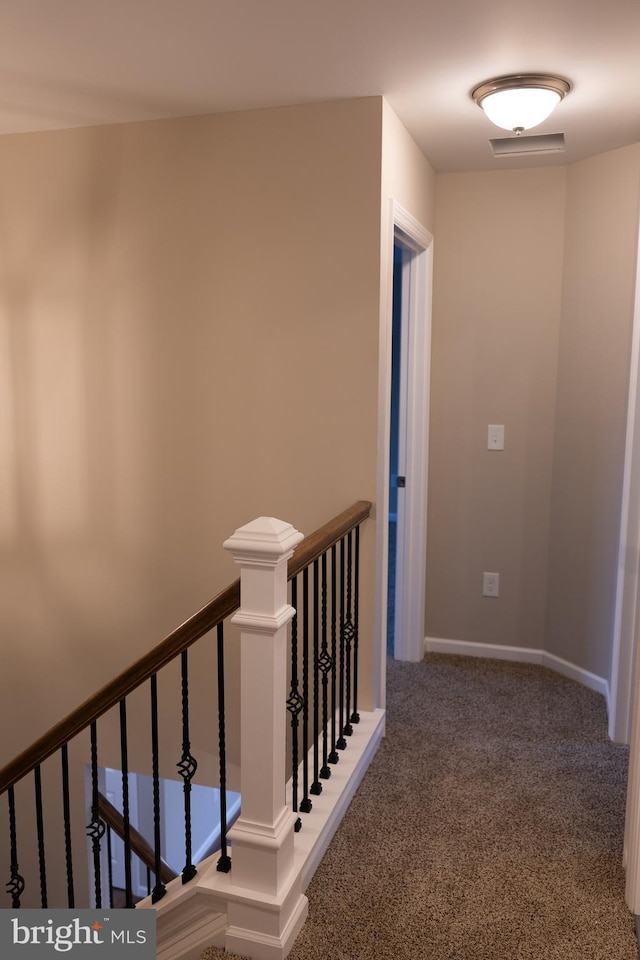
624 715
627 610
412 506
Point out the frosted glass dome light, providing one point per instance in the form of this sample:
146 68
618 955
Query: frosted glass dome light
520 102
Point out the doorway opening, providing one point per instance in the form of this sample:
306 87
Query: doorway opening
408 419
394 439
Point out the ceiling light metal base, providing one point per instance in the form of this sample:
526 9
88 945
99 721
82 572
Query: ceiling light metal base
518 81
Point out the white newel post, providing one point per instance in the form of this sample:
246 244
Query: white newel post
262 838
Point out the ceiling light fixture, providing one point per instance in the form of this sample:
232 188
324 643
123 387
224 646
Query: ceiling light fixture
520 102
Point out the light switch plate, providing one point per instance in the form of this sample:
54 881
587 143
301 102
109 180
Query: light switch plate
495 438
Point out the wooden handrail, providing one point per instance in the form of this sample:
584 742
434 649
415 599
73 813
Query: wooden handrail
324 537
114 819
226 603
222 606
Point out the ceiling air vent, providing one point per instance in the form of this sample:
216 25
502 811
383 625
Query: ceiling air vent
514 146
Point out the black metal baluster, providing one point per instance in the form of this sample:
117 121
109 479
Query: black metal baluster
15 886
316 786
224 861
306 804
355 716
348 639
186 768
148 881
159 889
40 831
109 867
126 821
341 743
334 756
325 664
294 702
96 827
66 807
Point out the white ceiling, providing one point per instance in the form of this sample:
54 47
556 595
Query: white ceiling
66 63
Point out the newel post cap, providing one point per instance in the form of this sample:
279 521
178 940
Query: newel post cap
263 542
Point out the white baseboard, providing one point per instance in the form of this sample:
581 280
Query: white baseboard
521 655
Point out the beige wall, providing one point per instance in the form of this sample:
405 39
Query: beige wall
189 324
533 300
591 410
497 282
407 175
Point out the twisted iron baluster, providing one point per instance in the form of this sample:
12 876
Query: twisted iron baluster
224 861
316 786
306 804
159 890
334 756
186 768
294 702
355 716
325 664
348 634
341 743
66 805
109 867
40 831
15 886
96 827
124 759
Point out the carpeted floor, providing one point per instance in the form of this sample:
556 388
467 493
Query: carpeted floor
488 827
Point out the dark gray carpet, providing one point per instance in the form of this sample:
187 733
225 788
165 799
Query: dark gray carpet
488 827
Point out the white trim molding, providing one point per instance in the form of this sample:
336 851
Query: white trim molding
411 556
627 609
521 655
412 516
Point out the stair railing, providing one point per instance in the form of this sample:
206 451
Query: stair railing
85 718
327 642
